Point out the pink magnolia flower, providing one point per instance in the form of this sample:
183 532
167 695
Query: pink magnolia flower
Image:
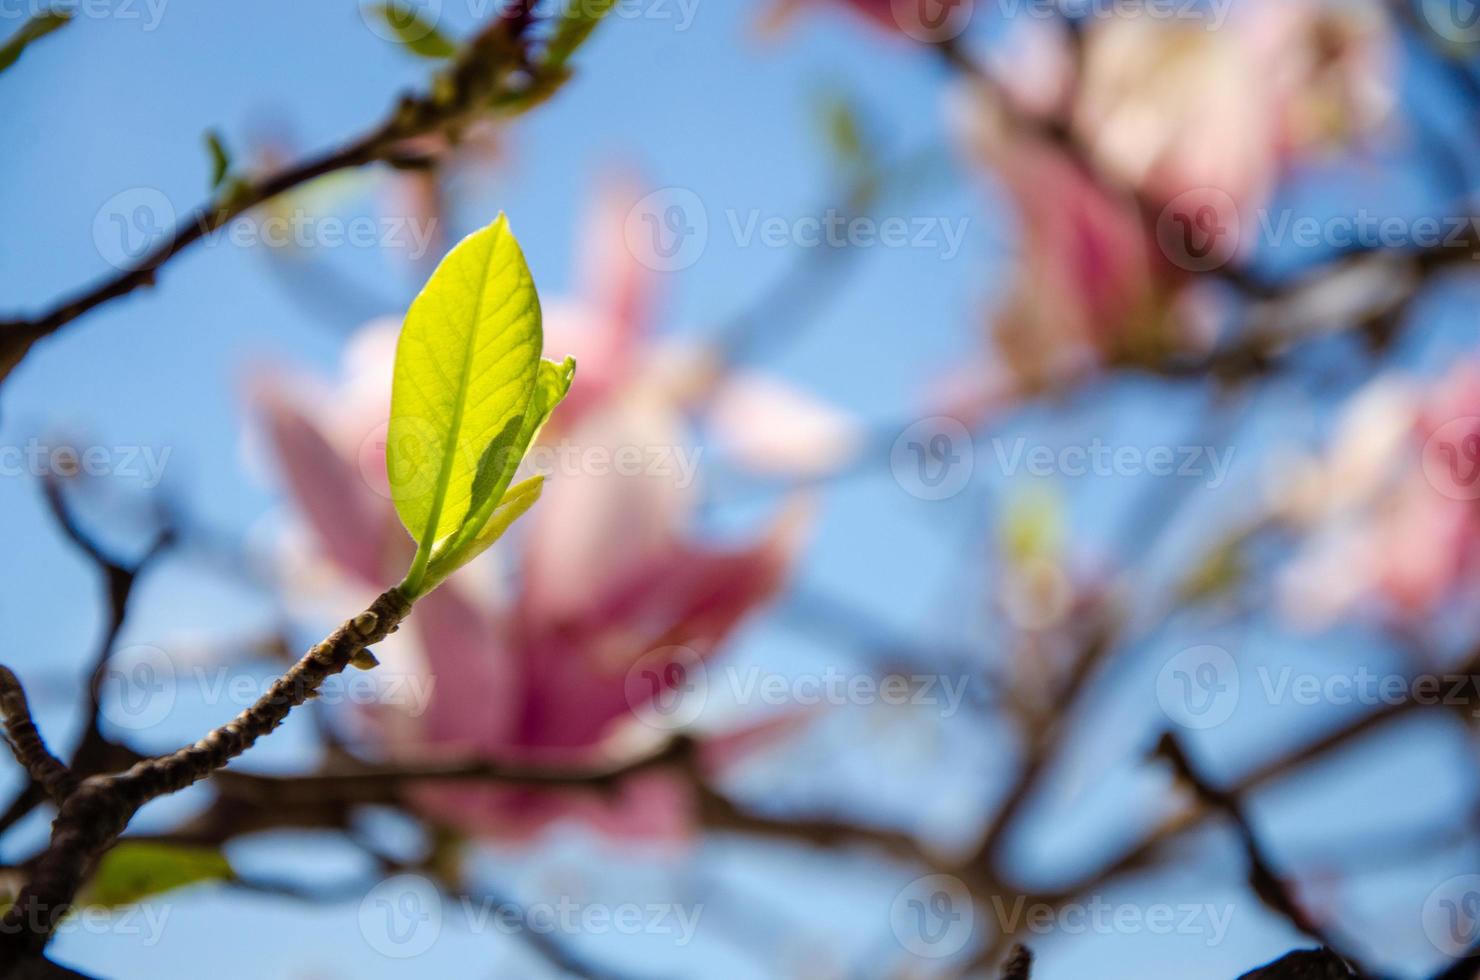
1390 511
614 604
1090 284
1178 108
762 424
1186 130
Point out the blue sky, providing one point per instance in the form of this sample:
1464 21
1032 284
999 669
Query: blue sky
109 107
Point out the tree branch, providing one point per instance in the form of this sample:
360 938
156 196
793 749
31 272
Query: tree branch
91 818
25 741
1266 882
1019 965
93 752
492 74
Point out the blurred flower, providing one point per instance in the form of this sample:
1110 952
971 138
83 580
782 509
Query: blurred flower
1090 286
1034 65
774 429
758 421
1390 510
1173 108
613 601
880 13
1185 131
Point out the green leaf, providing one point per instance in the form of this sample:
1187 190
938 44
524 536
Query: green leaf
466 370
134 870
513 506
501 459
486 523
844 131
220 159
33 30
419 37
576 23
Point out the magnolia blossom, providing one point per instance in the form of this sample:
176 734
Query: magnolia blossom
1194 117
613 600
1175 135
1090 284
1390 511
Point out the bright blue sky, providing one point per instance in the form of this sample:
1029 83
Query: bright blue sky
108 107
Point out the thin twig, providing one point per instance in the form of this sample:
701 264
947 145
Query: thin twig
1303 964
30 750
119 578
493 74
1019 965
359 783
1266 882
90 820
93 752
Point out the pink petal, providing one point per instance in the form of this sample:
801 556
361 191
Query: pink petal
343 512
594 524
478 682
778 430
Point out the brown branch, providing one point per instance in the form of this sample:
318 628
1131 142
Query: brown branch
251 801
493 74
92 817
1046 741
93 752
119 579
359 783
1019 965
1268 884
1263 348
45 769
1304 964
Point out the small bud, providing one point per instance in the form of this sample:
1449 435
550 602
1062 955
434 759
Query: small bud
364 660
366 622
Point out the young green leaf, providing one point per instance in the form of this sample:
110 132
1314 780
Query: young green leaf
575 25
501 459
220 159
134 870
513 506
412 30
466 371
33 30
